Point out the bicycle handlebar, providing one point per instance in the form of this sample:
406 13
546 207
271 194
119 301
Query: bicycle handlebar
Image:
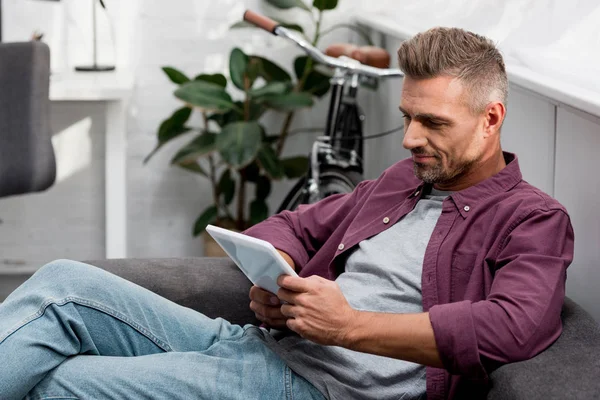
344 63
261 21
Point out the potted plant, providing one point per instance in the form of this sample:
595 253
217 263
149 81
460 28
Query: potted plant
232 148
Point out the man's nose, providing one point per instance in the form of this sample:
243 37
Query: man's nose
414 137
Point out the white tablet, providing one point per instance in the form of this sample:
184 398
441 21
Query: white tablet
257 258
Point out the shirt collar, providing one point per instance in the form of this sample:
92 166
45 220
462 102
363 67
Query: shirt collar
468 199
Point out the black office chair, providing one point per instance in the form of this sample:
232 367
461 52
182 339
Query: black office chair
27 162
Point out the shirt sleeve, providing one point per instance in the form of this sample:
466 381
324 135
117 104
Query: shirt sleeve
301 233
521 315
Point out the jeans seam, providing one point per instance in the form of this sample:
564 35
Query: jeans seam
287 374
91 304
57 398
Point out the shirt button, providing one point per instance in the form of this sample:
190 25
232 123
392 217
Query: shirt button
466 208
386 220
341 246
417 193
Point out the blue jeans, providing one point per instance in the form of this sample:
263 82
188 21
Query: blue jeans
74 331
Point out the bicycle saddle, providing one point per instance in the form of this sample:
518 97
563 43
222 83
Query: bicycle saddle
368 55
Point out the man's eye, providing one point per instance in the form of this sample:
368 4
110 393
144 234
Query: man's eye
405 116
433 124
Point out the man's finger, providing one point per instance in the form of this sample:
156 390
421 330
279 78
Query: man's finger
265 310
293 283
288 310
287 296
275 323
262 296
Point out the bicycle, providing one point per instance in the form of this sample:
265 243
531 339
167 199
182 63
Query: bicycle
336 158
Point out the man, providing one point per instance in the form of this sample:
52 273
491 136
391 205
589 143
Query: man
418 283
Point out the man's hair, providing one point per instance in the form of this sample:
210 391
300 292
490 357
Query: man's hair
471 58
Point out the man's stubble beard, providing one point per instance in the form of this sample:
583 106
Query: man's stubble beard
436 173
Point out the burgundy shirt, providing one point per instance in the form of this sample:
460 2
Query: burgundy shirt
494 270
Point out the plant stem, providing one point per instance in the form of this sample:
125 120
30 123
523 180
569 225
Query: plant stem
284 132
318 29
242 189
212 169
247 99
241 201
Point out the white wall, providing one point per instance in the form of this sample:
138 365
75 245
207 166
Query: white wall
68 220
163 202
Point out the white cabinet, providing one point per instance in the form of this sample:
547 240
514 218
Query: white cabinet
528 131
577 187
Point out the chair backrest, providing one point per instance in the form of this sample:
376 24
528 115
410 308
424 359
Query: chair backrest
27 162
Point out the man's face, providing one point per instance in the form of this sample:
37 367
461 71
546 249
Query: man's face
440 130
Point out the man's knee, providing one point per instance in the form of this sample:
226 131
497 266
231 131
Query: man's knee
62 269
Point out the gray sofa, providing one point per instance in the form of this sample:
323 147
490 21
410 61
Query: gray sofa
27 161
569 369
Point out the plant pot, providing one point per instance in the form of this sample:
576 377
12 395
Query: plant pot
211 247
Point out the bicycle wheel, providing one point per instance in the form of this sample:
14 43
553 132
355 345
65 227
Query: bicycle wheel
295 197
332 180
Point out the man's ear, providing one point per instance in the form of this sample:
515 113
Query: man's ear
494 116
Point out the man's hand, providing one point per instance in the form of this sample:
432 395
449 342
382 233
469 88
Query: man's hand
266 305
267 308
317 309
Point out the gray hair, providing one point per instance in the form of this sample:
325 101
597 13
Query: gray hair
472 58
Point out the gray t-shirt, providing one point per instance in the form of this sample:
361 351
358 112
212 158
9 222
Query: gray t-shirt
383 275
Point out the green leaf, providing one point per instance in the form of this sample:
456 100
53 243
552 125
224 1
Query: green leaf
270 71
244 24
238 62
295 167
251 172
206 95
176 120
170 128
270 162
289 25
201 145
257 109
239 142
300 65
290 101
316 82
230 116
208 216
259 211
226 186
175 75
263 187
217 79
325 4
285 4
194 167
270 139
271 88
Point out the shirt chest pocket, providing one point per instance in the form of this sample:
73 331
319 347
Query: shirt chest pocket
464 267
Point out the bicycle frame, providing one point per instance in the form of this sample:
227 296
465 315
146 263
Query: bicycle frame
334 148
342 144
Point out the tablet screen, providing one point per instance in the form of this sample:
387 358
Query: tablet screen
255 262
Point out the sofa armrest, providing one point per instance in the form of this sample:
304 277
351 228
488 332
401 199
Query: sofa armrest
569 369
214 286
